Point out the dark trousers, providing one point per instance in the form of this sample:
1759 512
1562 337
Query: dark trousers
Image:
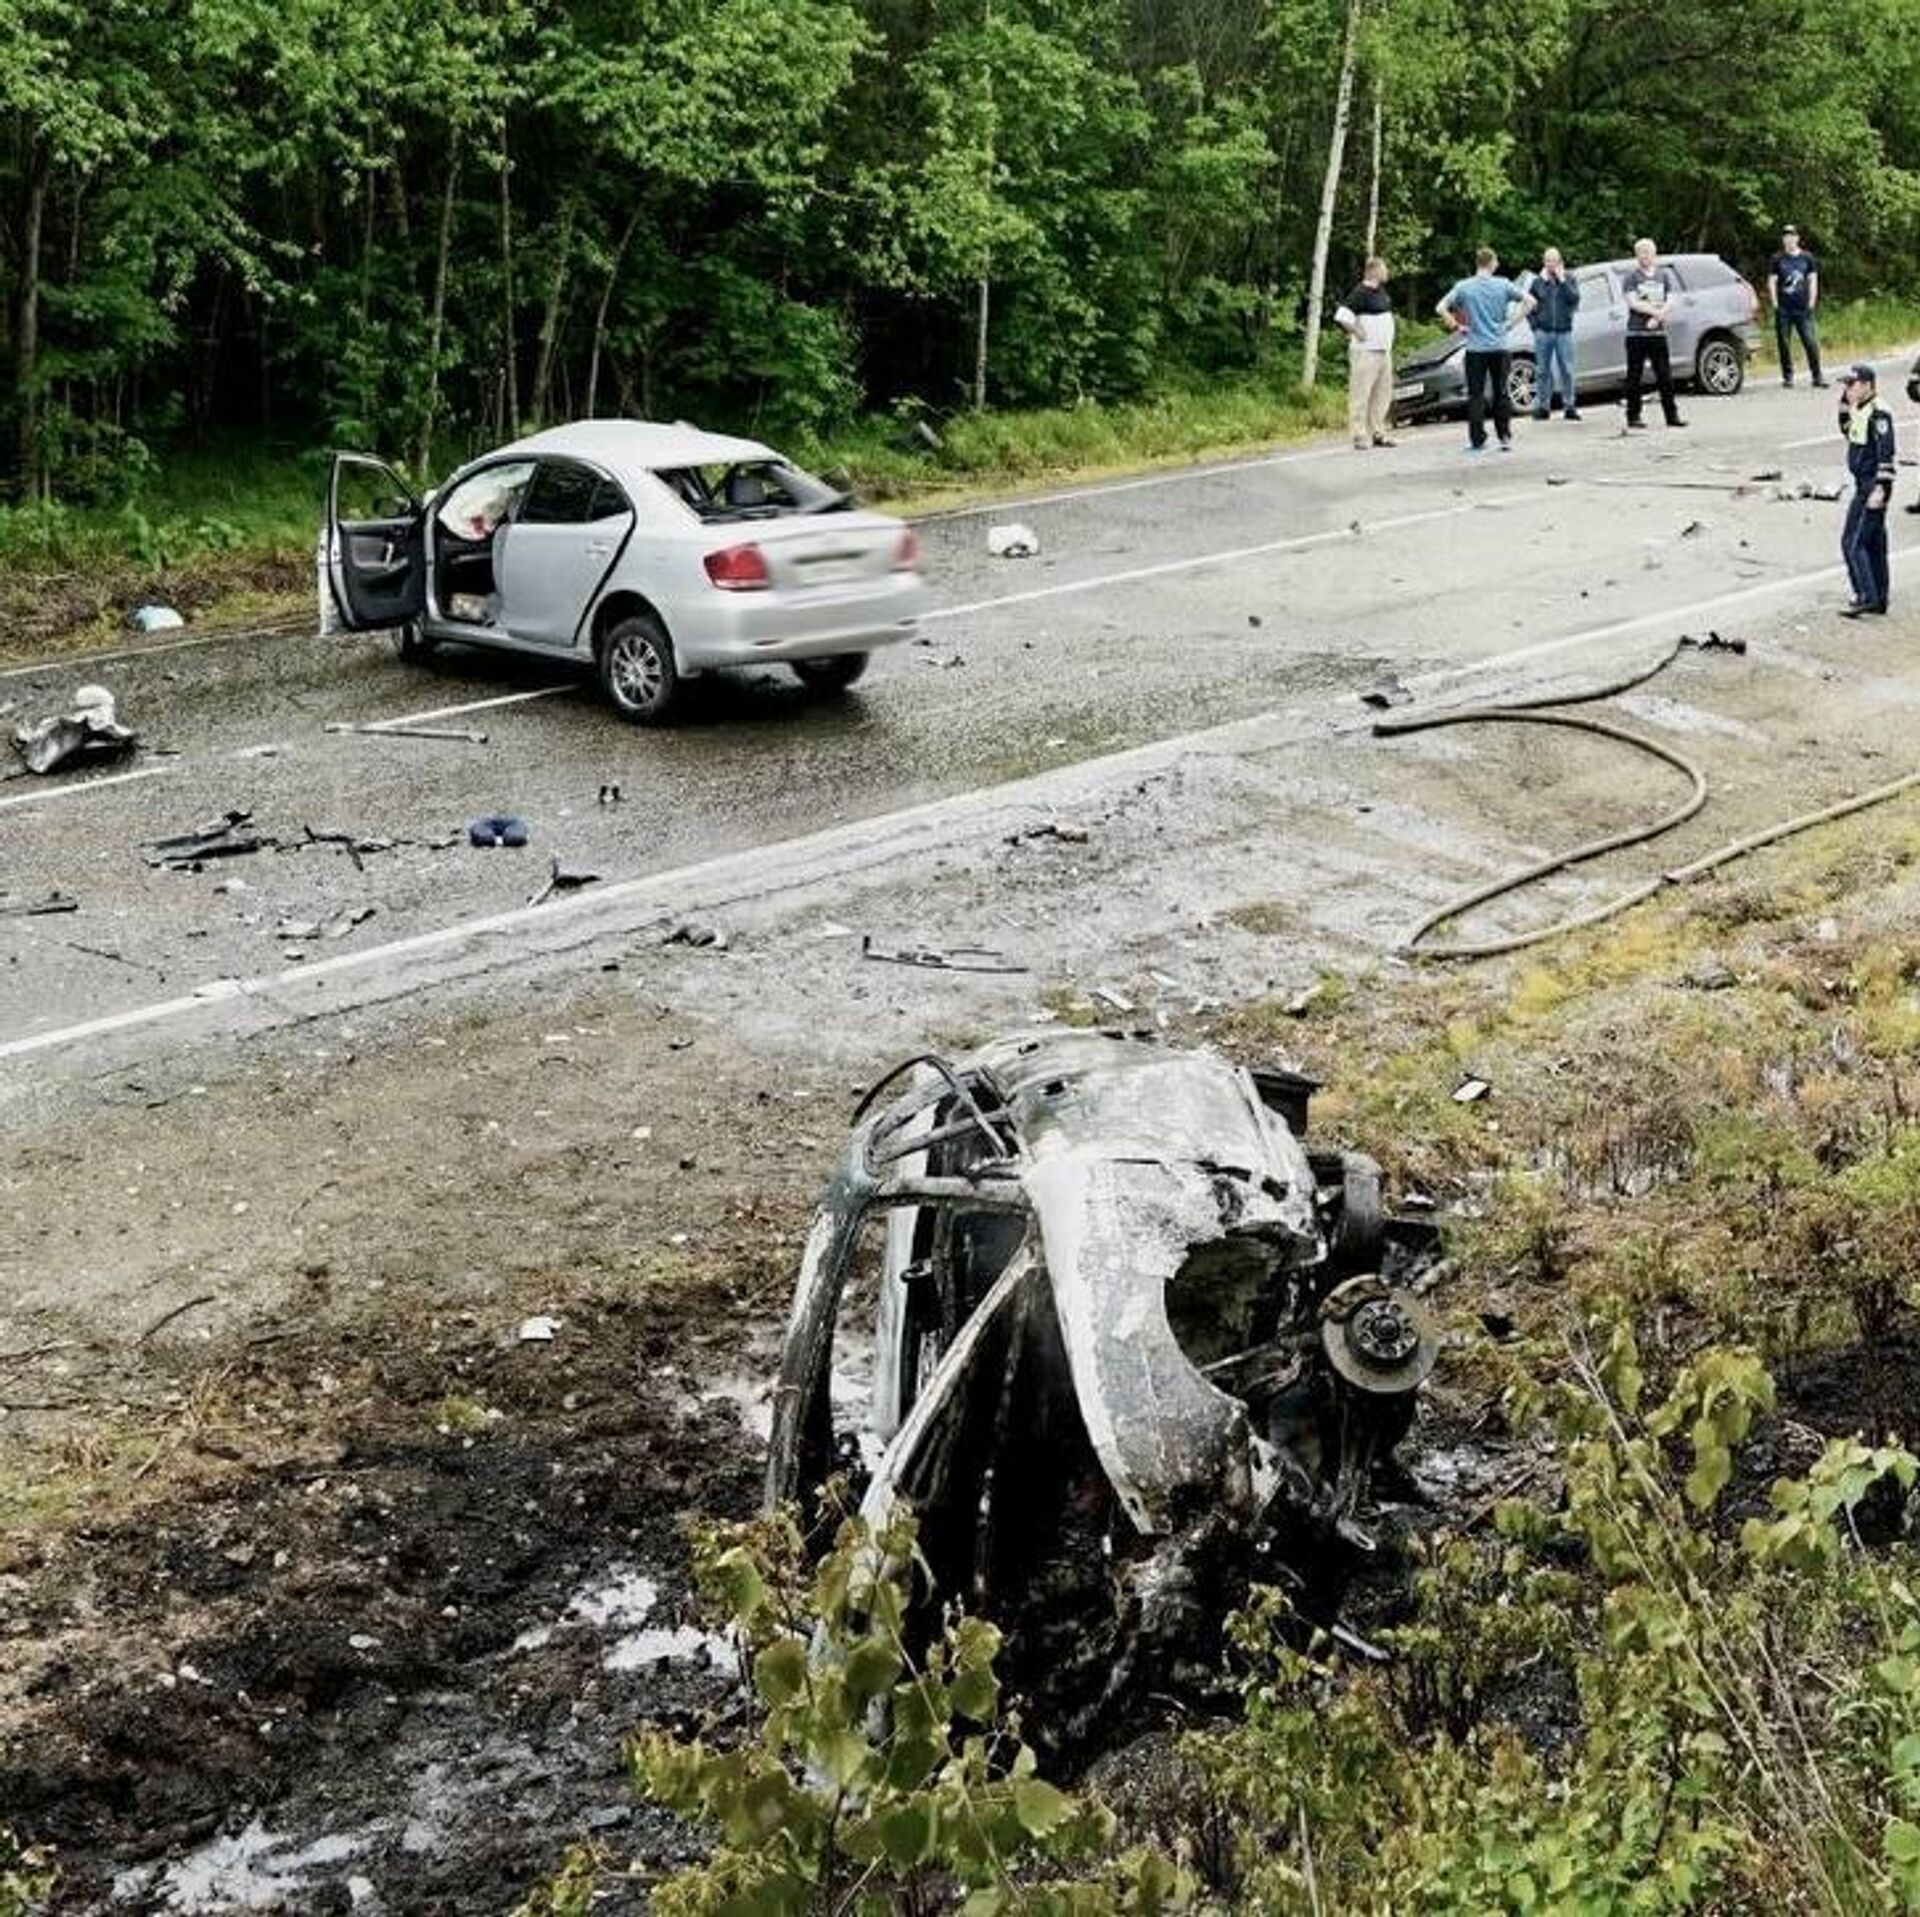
1484 369
1785 325
1863 545
1644 350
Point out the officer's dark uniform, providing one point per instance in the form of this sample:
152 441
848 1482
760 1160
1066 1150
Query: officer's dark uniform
1869 434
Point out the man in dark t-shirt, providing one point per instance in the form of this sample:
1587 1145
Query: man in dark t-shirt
1648 292
1793 285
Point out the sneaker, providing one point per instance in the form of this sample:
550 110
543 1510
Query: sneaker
1470 450
1381 439
1822 382
1360 445
1676 422
1788 381
1914 508
1571 416
1537 415
1636 425
1858 610
1506 445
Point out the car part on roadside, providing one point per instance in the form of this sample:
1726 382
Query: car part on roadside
37 908
1136 1342
498 828
1533 712
224 838
958 958
562 878
1012 541
88 732
464 735
711 938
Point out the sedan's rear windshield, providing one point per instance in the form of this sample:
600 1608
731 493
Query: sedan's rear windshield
751 489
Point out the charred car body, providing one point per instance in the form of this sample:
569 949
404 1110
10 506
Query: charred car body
1126 1322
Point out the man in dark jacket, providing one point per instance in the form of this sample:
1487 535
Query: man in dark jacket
1556 300
1793 285
1868 427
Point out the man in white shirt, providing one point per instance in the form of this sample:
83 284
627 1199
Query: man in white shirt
1366 317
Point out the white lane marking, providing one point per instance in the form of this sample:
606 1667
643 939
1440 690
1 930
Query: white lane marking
85 785
1008 794
78 662
1301 543
1618 628
1099 489
452 712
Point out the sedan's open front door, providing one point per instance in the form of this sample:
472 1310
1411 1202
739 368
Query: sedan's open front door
376 560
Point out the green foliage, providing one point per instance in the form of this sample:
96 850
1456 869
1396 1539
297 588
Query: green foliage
27 1876
1744 1700
875 1780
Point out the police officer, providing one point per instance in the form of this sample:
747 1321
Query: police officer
1868 428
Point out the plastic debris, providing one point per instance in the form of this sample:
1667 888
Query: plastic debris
1471 1090
155 619
561 878
497 829
690 932
88 730
961 958
538 1330
224 838
1012 541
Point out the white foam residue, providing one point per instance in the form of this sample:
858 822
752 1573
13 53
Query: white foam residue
254 1870
625 1604
683 1644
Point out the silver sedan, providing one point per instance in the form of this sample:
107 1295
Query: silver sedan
652 552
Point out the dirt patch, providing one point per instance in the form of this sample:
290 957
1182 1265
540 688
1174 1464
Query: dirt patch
401 1644
44 615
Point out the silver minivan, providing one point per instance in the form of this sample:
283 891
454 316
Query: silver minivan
1711 330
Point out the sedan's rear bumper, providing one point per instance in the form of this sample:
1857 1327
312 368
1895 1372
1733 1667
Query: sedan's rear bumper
742 628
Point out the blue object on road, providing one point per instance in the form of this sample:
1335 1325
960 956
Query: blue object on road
500 829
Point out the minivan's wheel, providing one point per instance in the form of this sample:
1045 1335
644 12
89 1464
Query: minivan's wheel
1720 368
835 673
637 671
412 644
1520 384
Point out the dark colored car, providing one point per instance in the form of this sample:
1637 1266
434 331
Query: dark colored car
1711 329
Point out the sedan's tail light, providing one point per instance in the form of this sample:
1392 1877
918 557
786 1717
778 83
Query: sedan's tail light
906 555
739 569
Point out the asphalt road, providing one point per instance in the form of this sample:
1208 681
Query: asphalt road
1157 607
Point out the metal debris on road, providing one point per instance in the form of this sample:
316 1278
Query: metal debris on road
691 932
463 735
497 829
1712 642
1386 691
223 838
337 926
1012 541
1063 830
959 958
36 908
86 733
561 878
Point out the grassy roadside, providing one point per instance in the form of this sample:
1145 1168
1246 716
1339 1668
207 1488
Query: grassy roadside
225 533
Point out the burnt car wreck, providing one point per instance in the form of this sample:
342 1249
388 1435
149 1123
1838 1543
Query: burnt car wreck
1129 1331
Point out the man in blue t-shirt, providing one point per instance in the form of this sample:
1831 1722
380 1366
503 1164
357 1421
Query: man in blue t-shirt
1483 308
1793 285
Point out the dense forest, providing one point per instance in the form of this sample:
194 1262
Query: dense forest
415 226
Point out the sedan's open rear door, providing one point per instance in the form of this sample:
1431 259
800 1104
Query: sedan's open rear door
375 557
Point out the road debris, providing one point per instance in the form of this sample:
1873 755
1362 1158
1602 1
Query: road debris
610 793
155 619
336 926
393 729
1012 541
497 829
711 938
1712 642
88 732
1134 1339
539 1330
1471 1089
1385 692
11 908
561 878
1063 830
1114 1001
224 838
959 958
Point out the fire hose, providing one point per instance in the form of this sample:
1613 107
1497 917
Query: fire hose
1536 712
